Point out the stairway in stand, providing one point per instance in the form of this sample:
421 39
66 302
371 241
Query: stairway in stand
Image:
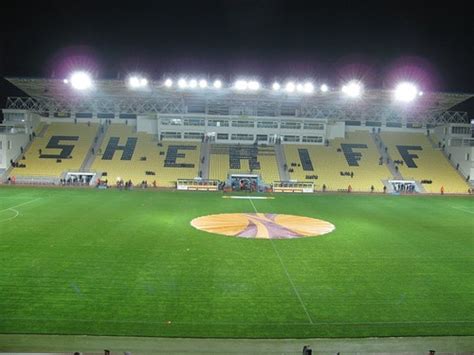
93 151
204 160
6 172
385 156
281 161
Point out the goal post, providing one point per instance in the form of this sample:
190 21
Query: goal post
293 186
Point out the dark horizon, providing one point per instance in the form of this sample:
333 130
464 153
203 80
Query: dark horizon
263 39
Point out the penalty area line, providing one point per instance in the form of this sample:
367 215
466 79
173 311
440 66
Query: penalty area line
287 274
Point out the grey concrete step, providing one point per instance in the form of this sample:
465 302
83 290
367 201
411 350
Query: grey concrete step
386 156
281 162
96 144
204 160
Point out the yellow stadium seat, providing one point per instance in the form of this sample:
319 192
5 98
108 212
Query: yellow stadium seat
431 163
147 146
220 163
328 163
41 166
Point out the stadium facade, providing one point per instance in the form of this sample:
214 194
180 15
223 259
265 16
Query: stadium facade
165 134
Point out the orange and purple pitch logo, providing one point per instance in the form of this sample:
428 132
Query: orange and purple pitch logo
262 225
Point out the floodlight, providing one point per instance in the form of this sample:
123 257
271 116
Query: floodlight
290 86
406 92
193 83
81 80
276 86
324 88
134 82
352 89
308 87
168 83
253 85
420 93
182 83
66 81
299 87
202 83
217 84
241 85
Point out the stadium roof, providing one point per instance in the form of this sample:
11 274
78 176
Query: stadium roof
46 95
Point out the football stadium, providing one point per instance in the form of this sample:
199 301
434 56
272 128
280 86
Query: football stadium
191 207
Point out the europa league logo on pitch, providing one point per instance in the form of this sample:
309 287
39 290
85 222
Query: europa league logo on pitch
262 225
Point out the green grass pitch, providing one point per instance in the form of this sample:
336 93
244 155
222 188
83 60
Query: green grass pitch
129 263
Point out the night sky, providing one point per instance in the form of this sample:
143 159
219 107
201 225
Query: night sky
329 41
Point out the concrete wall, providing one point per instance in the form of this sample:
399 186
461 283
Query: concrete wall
464 156
130 122
385 129
336 130
11 147
165 125
147 124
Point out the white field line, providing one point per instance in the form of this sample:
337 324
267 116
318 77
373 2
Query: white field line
10 218
462 209
14 210
21 204
287 274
